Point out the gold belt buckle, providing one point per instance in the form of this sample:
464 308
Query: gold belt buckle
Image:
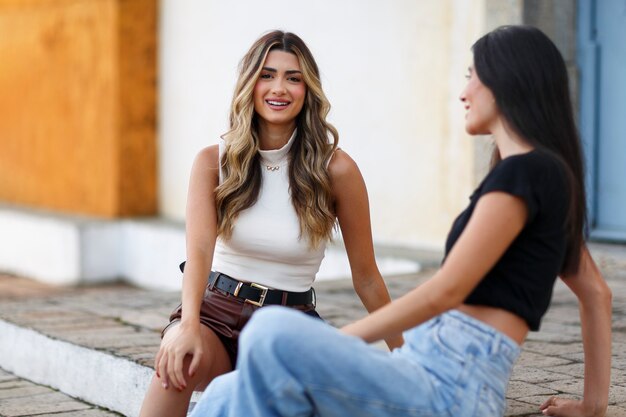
237 289
261 298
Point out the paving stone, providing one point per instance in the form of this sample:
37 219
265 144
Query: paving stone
572 386
619 362
617 395
534 375
94 412
539 361
147 319
137 351
618 377
563 314
577 370
5 376
115 330
552 349
12 287
19 397
106 341
28 390
536 401
76 325
143 355
15 382
520 389
556 333
616 411
53 402
519 408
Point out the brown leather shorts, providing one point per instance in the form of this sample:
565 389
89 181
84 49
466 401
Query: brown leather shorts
226 315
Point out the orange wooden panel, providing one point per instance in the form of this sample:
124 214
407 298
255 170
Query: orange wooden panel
70 134
137 81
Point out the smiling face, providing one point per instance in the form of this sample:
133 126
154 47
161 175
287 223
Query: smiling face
280 90
481 111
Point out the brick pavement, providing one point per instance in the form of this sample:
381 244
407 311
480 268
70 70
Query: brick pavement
19 397
124 322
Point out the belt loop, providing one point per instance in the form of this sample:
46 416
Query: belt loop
213 276
314 297
497 340
284 298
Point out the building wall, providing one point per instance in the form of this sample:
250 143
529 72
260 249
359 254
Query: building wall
393 71
77 132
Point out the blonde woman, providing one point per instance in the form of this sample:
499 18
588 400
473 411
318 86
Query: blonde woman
261 206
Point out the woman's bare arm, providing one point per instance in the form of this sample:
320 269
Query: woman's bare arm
353 214
594 301
497 220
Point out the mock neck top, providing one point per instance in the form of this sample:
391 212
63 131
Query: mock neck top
266 246
277 157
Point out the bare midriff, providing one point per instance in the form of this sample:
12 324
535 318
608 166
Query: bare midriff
508 323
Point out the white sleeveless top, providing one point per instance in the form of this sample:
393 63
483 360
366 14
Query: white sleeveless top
265 246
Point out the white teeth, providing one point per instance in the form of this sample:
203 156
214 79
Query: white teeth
277 103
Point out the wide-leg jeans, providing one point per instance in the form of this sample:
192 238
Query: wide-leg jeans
292 365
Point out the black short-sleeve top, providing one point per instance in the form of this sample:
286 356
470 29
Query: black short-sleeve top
522 280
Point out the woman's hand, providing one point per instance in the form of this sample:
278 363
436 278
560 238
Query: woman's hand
178 342
562 407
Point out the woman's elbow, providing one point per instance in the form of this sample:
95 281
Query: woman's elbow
597 294
445 298
606 294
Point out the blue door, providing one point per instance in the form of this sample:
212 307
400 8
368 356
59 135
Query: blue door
602 62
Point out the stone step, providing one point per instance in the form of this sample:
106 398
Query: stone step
94 343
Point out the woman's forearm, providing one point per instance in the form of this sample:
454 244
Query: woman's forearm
194 282
374 295
595 315
594 300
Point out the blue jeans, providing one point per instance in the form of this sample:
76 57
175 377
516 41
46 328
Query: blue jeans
292 365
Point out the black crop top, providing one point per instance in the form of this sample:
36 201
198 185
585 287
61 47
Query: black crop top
522 280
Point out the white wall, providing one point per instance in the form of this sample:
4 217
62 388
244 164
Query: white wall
392 69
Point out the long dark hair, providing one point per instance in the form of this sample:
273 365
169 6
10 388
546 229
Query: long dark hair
527 76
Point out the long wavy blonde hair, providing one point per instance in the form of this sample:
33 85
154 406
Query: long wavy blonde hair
310 153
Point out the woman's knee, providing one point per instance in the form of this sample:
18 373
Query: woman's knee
270 325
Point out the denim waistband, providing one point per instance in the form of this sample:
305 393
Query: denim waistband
493 341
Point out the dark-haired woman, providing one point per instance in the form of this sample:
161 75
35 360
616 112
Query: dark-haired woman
463 328
261 207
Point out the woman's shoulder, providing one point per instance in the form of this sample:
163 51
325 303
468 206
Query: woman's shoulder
341 164
209 155
538 173
207 161
534 164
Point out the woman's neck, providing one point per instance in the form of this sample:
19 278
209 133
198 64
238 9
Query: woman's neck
508 142
273 136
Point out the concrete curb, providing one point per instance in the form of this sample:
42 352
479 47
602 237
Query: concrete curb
116 383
